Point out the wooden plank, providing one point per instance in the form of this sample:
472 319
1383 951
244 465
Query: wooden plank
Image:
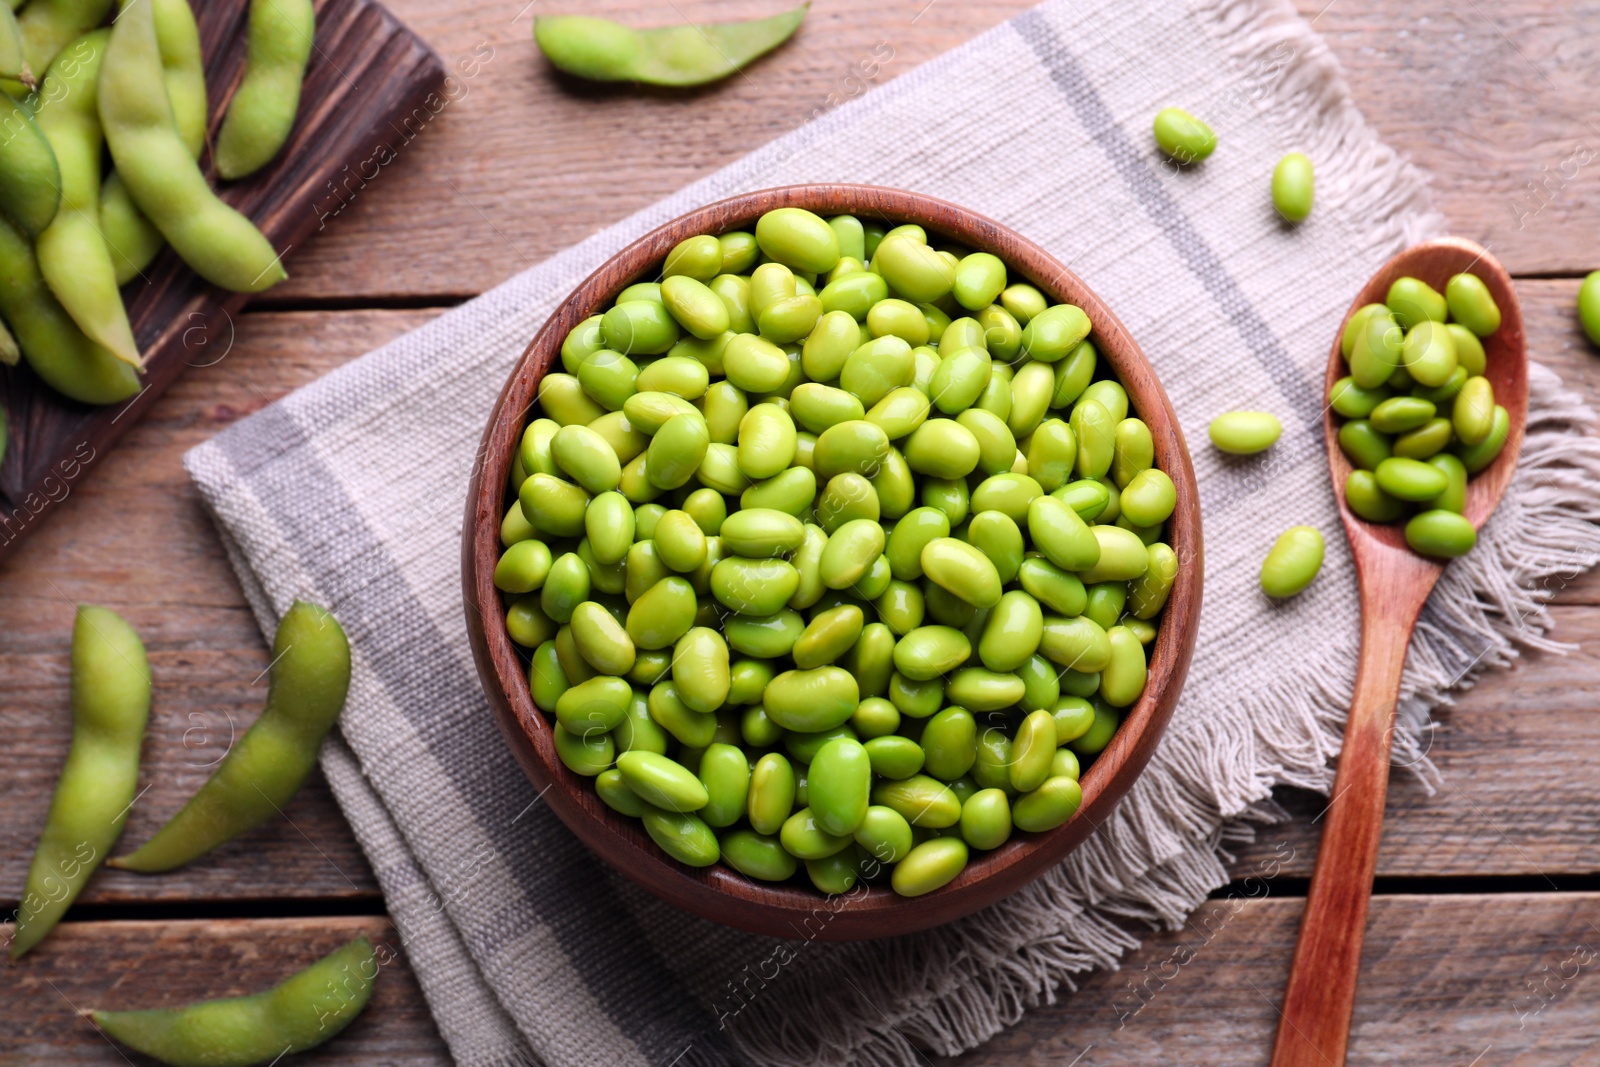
163 964
1503 979
134 537
367 74
521 163
1535 722
1444 979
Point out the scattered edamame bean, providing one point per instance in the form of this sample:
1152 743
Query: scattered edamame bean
1293 186
1183 137
1245 433
1293 563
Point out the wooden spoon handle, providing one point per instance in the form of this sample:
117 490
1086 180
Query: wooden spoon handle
1317 1004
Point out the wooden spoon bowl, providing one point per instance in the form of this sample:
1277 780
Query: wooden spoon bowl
1395 582
718 892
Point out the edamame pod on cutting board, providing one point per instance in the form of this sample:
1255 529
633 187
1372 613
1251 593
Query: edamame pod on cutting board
309 676
30 182
110 703
261 114
602 50
51 342
48 26
299 1013
73 256
220 244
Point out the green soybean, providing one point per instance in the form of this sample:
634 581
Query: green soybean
1293 183
1440 533
1244 433
1293 563
1184 138
278 40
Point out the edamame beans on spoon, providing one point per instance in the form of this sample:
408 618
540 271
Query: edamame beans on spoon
1414 292
821 539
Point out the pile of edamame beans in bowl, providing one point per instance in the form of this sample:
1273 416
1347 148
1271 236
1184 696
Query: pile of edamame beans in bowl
1421 416
835 548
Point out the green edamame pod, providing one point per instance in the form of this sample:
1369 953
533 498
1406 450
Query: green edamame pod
221 245
309 676
30 182
50 341
47 26
261 114
299 1013
183 70
13 59
110 703
73 256
602 50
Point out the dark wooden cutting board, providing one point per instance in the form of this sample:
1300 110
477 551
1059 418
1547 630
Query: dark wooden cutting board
372 86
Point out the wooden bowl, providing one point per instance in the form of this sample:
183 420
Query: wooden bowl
718 892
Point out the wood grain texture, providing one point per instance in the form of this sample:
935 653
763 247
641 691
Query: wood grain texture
1445 981
524 163
717 892
136 539
367 77
1448 978
164 964
1395 583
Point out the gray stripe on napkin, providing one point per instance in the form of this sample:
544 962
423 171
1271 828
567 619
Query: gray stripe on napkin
367 594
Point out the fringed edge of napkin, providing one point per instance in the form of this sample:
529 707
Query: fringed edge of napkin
1175 832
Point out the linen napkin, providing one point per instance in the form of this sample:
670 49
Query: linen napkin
350 492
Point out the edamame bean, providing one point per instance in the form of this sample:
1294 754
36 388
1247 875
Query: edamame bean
1365 446
1047 807
1471 304
1414 302
299 1013
929 866
838 785
920 800
1053 586
811 701
307 680
1184 138
1478 457
1123 556
1472 416
1012 632
1293 186
986 819
682 835
1444 534
758 856
665 783
1244 433
1588 307
1032 751
1454 496
1294 561
1079 643
1122 681
1429 353
1409 479
912 269
804 838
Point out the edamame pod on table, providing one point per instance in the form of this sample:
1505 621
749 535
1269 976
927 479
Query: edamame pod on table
308 678
73 256
220 244
299 1013
110 703
602 50
261 114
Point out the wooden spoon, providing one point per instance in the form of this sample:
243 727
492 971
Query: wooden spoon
1395 582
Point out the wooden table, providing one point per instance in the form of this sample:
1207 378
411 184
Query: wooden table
1484 943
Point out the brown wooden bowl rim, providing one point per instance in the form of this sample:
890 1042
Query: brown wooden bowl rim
1506 367
718 892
